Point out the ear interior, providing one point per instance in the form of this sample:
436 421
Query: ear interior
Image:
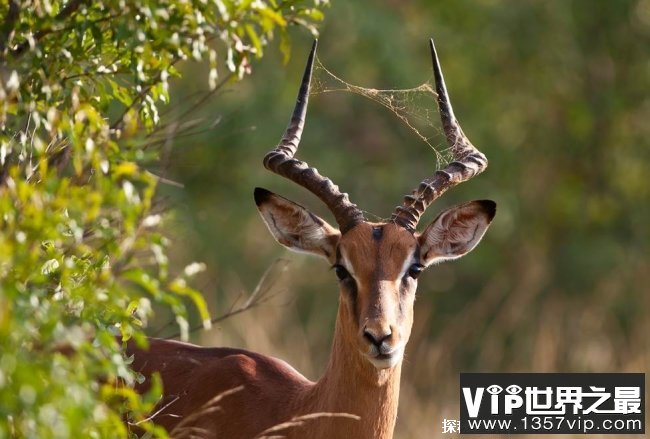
456 231
295 227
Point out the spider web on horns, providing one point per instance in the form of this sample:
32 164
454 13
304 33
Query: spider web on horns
415 107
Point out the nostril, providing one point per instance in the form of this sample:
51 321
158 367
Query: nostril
374 339
368 336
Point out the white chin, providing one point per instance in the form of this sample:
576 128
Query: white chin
386 362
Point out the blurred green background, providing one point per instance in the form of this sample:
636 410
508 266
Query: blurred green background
555 93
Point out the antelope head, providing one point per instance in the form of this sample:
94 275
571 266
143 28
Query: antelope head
377 264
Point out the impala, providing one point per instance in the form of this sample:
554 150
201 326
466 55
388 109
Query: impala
233 393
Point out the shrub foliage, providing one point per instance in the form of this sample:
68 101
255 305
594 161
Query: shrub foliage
82 258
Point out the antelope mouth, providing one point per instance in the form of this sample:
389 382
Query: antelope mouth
386 361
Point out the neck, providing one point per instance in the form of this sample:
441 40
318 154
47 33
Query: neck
352 385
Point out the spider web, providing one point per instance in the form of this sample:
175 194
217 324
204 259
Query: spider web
415 107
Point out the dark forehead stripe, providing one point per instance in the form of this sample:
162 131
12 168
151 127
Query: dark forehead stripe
377 232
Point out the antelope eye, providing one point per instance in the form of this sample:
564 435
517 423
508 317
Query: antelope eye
415 270
341 272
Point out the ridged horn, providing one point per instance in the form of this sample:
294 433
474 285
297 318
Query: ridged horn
281 160
466 163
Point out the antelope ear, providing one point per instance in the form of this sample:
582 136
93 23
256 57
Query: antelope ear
296 227
456 231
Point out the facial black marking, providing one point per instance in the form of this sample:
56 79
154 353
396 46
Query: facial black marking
377 232
348 286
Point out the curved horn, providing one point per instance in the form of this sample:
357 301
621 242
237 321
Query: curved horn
467 160
280 160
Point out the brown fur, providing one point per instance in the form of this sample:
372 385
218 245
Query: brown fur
376 299
273 391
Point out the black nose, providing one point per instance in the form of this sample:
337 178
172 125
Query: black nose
376 339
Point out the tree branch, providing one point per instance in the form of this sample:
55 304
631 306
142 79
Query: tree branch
260 294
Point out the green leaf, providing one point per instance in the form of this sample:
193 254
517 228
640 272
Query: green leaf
50 266
81 133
